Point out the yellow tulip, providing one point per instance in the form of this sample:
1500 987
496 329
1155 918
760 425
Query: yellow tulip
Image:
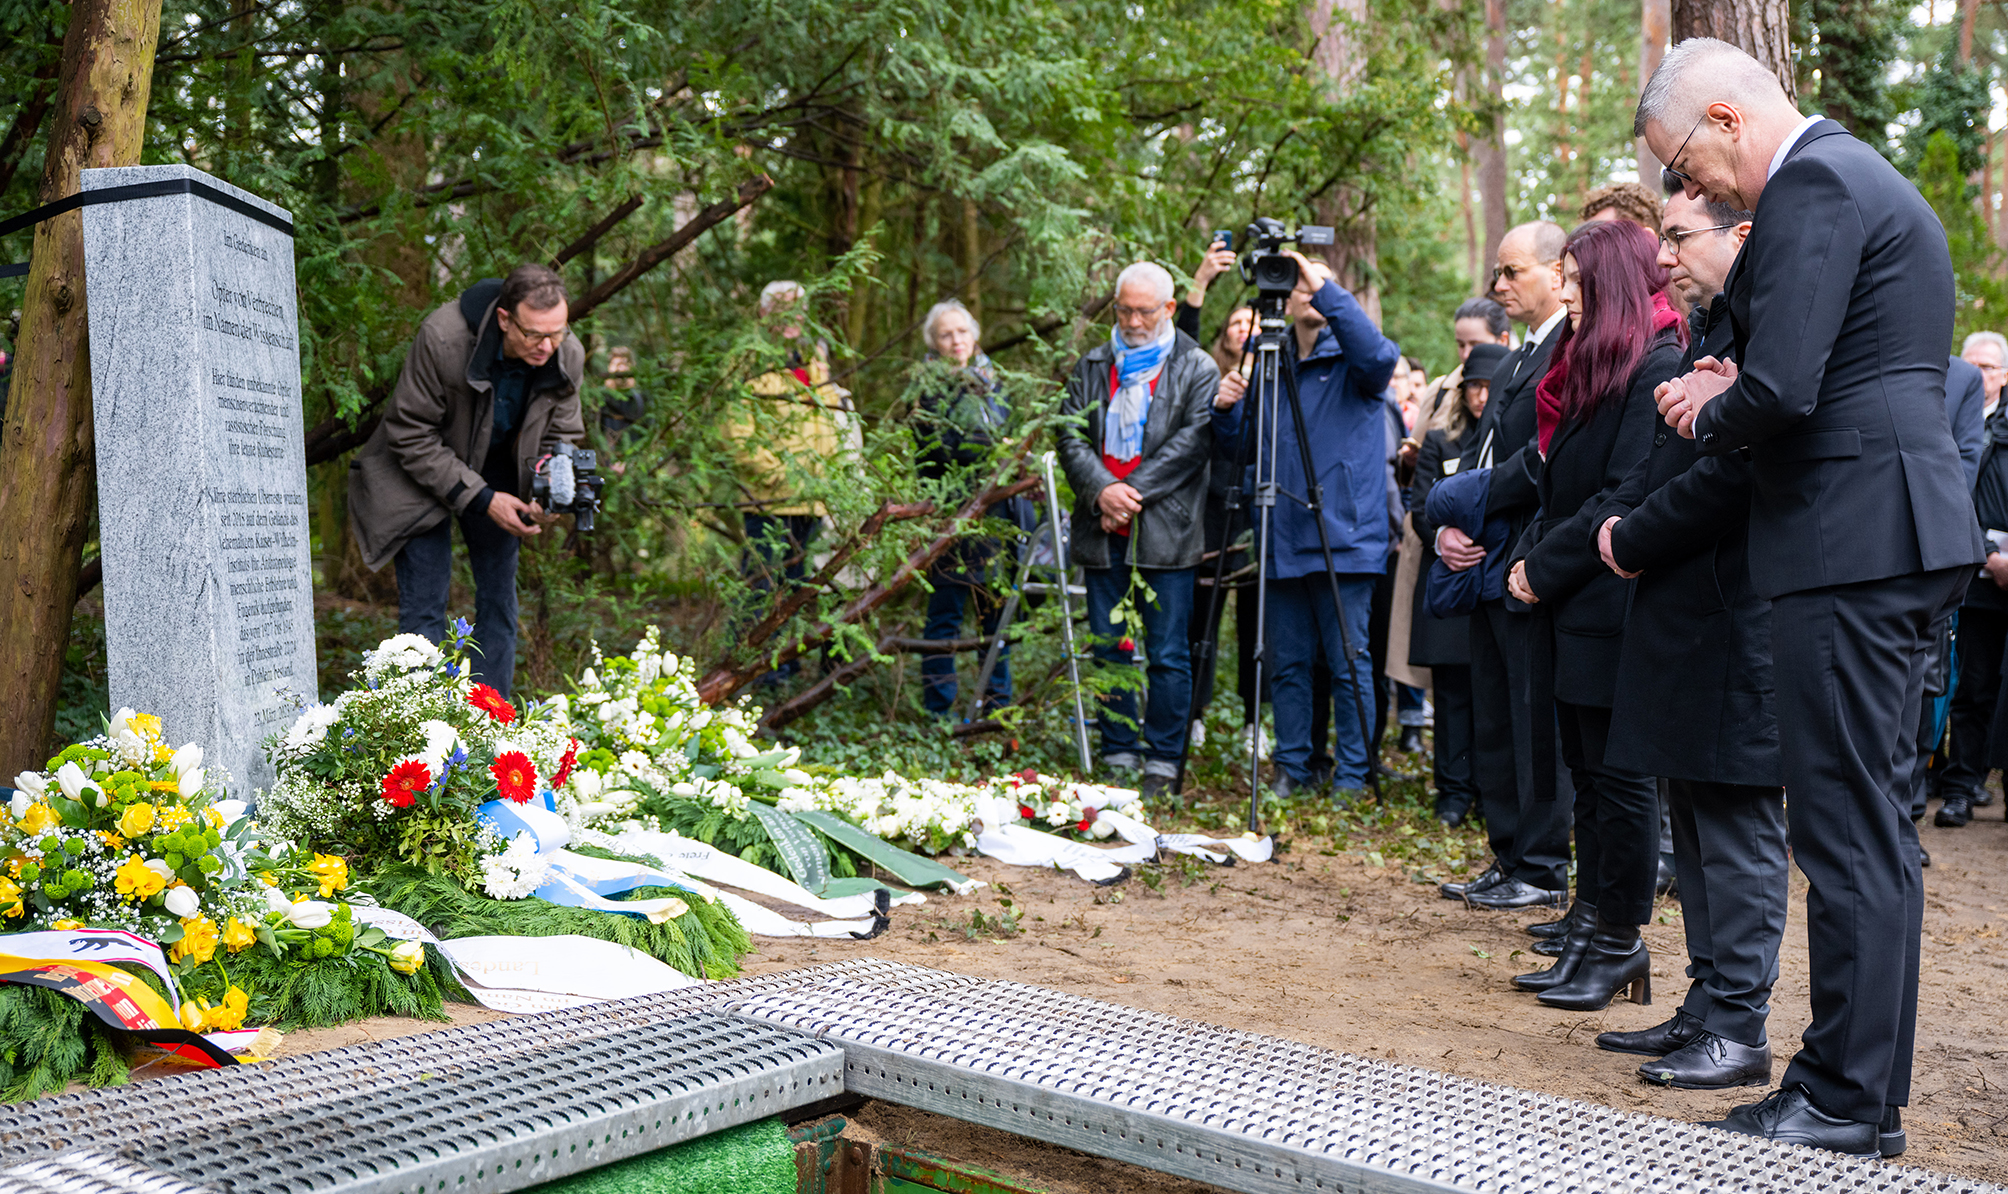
332 871
228 1015
192 1016
137 819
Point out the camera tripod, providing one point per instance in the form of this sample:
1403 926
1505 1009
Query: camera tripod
1274 382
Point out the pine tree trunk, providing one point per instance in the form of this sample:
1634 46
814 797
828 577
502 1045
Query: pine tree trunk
1489 153
1354 254
1655 18
1762 28
46 488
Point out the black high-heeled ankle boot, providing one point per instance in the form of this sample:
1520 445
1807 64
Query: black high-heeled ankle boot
1616 959
1575 943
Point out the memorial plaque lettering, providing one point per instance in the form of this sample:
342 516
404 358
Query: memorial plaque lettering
202 482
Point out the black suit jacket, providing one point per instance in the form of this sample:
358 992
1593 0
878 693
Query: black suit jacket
1698 637
1841 305
1588 458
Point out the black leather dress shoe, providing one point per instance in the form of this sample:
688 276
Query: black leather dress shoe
1890 1139
1711 1062
1511 893
1954 813
1657 1041
1486 878
1789 1117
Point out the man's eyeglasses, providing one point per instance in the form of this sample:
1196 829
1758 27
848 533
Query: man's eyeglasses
1670 241
1510 272
1678 174
1135 314
535 338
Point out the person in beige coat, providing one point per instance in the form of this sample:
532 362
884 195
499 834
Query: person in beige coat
491 380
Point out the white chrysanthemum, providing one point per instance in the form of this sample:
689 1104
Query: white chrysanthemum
310 728
516 872
401 653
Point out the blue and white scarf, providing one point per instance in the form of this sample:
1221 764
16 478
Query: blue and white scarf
1129 406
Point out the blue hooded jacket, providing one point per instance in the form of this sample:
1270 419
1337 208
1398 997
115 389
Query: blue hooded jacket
1459 501
1341 384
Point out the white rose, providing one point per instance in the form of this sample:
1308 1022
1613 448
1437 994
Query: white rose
311 914
182 901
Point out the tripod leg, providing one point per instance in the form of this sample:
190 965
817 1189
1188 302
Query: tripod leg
1067 617
1208 648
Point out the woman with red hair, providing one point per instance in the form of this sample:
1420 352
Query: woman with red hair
1596 419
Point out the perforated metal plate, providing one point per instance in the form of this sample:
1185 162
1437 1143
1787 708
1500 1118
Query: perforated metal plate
1258 1113
503 1107
89 1172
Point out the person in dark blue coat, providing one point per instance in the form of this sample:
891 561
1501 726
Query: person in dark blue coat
1343 365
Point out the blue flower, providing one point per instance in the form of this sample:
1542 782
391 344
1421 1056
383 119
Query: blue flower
461 629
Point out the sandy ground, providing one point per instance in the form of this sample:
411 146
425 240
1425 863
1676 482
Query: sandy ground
1327 949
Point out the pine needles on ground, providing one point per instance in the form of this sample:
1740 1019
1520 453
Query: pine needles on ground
706 941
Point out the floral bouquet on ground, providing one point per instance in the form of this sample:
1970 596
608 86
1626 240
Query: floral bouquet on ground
1066 807
393 770
122 832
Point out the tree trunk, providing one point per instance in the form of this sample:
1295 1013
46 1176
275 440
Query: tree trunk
1488 154
1655 18
971 243
46 489
1761 28
1969 12
1354 252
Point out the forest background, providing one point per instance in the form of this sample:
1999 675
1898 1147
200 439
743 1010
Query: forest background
672 157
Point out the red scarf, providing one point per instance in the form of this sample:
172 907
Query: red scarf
1548 394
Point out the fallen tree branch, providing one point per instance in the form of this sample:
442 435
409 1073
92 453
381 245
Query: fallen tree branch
823 689
664 249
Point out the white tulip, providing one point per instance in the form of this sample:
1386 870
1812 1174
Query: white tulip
72 780
231 809
277 901
34 783
183 902
311 914
159 867
188 783
187 759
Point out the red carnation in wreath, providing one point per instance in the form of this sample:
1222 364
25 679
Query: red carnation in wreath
405 781
565 765
1025 811
515 777
489 701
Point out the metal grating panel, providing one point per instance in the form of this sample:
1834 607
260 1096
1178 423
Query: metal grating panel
1257 1113
539 1106
91 1172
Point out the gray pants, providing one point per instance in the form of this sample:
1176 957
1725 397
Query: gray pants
1729 851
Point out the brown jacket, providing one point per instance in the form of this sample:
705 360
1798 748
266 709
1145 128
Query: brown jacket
425 459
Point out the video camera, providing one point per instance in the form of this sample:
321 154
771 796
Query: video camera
568 481
1272 273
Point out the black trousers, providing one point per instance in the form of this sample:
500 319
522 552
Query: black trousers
1454 786
1983 635
1850 663
1617 820
1530 837
425 572
1729 851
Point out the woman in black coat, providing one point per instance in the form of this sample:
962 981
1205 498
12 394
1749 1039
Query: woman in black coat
1443 645
1596 418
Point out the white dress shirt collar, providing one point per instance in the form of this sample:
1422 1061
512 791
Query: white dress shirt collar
1539 336
1778 159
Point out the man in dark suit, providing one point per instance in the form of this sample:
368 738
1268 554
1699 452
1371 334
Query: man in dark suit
1862 534
1529 830
1698 639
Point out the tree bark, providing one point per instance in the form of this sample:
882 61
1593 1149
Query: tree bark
1655 19
1761 28
46 490
1354 253
1969 12
1488 154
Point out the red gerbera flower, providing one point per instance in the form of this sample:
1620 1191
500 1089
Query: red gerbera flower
565 765
1126 644
405 781
515 777
489 701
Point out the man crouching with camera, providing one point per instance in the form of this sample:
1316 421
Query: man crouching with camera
490 380
1343 365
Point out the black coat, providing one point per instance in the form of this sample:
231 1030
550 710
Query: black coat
1434 641
1841 303
1698 638
1582 600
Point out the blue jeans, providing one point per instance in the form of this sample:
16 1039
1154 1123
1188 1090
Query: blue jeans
1302 626
424 572
1168 692
957 578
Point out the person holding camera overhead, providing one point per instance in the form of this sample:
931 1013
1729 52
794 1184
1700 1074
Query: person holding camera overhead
491 379
1343 365
1135 436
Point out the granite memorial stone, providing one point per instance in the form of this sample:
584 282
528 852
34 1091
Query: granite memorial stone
202 474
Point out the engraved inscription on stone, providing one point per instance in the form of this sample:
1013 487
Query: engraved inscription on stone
202 473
